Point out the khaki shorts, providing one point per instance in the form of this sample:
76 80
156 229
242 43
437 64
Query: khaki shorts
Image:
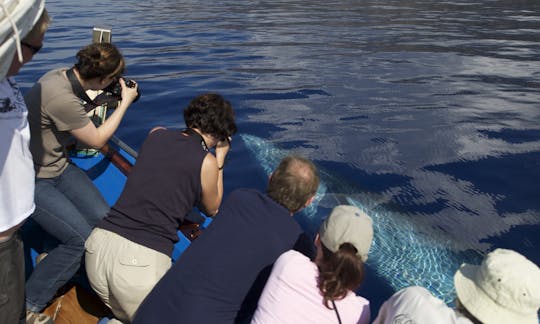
122 272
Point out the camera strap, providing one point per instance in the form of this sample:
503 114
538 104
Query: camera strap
79 91
190 131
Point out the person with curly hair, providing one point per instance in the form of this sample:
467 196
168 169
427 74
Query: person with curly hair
131 248
301 291
68 205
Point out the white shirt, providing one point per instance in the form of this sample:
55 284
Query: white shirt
16 166
291 296
416 305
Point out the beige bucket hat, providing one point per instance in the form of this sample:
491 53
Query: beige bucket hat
504 289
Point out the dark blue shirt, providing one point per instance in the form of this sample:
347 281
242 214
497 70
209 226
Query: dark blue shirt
219 278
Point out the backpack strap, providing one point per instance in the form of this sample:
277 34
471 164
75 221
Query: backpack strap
337 313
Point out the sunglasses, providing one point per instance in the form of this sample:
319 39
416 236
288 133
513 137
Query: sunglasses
33 48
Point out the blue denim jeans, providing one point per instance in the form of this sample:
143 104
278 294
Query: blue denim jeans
68 207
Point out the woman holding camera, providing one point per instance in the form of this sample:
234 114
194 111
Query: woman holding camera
68 205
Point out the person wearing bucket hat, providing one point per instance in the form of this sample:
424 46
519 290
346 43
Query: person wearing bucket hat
302 291
503 289
29 25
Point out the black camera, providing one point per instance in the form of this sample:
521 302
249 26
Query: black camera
113 93
115 89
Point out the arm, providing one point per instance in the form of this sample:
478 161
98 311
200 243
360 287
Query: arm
97 137
212 179
212 185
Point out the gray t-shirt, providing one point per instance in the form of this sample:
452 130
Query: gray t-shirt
53 111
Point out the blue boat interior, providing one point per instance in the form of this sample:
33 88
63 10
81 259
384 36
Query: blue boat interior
110 180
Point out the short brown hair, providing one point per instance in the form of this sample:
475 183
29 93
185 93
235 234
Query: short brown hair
461 308
39 29
294 182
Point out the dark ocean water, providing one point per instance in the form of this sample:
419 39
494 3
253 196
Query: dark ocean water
427 113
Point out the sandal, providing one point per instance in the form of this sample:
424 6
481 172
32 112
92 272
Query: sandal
38 318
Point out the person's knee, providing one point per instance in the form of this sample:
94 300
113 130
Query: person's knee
76 243
98 214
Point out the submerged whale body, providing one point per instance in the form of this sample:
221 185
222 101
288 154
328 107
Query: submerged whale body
400 254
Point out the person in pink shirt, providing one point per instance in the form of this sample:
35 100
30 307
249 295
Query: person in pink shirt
301 291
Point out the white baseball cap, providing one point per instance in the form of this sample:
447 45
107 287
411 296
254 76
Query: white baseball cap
347 224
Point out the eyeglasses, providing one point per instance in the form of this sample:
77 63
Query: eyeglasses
33 48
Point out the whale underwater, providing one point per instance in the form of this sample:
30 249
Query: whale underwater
401 254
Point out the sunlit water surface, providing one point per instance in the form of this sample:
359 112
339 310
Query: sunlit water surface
424 113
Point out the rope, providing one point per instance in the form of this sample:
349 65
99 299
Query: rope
15 30
58 307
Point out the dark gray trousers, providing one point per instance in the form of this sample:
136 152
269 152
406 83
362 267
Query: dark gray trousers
12 306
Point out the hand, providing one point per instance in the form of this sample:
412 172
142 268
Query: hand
128 94
222 148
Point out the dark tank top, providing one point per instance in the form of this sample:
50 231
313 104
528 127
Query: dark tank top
162 188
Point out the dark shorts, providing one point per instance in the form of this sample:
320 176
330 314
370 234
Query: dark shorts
11 280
